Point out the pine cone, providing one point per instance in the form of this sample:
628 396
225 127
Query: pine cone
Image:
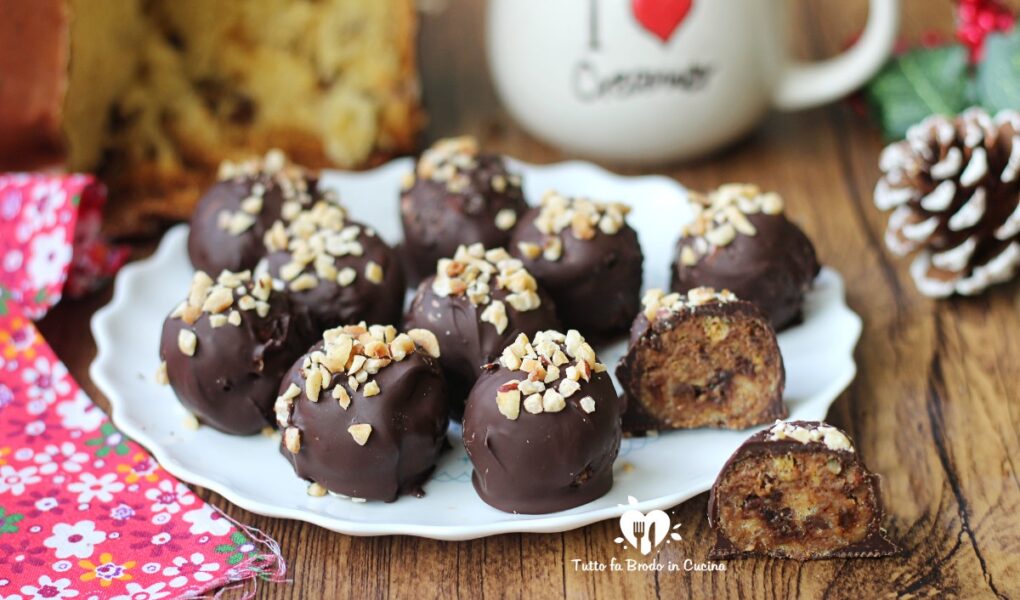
955 186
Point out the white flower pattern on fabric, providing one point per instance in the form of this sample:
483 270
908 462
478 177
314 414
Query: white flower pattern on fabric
49 259
80 413
89 487
78 540
48 589
14 481
206 519
46 380
136 592
169 496
65 457
190 568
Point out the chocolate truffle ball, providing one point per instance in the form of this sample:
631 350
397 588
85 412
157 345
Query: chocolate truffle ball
477 304
456 196
364 413
797 490
232 217
542 426
226 347
336 271
587 257
704 359
741 241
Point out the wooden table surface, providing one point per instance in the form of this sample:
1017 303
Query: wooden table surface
935 408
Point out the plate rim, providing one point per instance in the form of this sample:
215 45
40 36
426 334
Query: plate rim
101 332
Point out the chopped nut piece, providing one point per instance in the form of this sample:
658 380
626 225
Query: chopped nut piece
252 205
341 396
292 439
688 257
401 346
506 219
568 387
239 223
218 301
315 490
161 376
371 389
360 432
426 340
187 341
529 250
552 248
552 401
373 272
533 404
313 385
246 303
495 313
234 318
588 404
722 235
509 403
216 321
191 422
305 281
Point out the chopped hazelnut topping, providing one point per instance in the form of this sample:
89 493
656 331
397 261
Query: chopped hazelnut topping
657 303
509 403
371 389
506 219
721 215
292 439
316 491
303 282
217 321
161 376
474 272
187 342
407 181
342 397
360 432
581 215
833 438
401 346
313 385
547 386
234 318
426 340
191 422
346 276
373 272
529 250
588 404
252 205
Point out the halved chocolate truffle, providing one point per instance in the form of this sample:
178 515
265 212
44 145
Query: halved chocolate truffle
225 348
233 215
477 304
337 272
741 241
542 426
587 257
364 413
704 359
456 196
798 490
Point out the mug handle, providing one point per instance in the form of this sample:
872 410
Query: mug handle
805 85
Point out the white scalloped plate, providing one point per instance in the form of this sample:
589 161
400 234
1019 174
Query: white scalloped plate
249 471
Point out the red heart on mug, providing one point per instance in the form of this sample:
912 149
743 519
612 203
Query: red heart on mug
661 17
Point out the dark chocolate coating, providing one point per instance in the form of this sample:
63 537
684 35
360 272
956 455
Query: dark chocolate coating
547 462
876 544
644 334
330 304
212 249
231 381
436 220
773 269
596 283
409 418
466 342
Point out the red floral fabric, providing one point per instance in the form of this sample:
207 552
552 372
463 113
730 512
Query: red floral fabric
50 241
86 513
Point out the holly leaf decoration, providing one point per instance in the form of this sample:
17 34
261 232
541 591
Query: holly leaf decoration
920 83
998 75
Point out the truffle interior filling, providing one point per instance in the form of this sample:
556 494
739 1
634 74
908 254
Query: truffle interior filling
796 504
705 371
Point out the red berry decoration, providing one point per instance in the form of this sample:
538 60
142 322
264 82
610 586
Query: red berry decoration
976 19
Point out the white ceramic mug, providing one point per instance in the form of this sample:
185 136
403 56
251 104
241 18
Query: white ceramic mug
648 81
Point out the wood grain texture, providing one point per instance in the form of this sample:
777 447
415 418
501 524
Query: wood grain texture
934 409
